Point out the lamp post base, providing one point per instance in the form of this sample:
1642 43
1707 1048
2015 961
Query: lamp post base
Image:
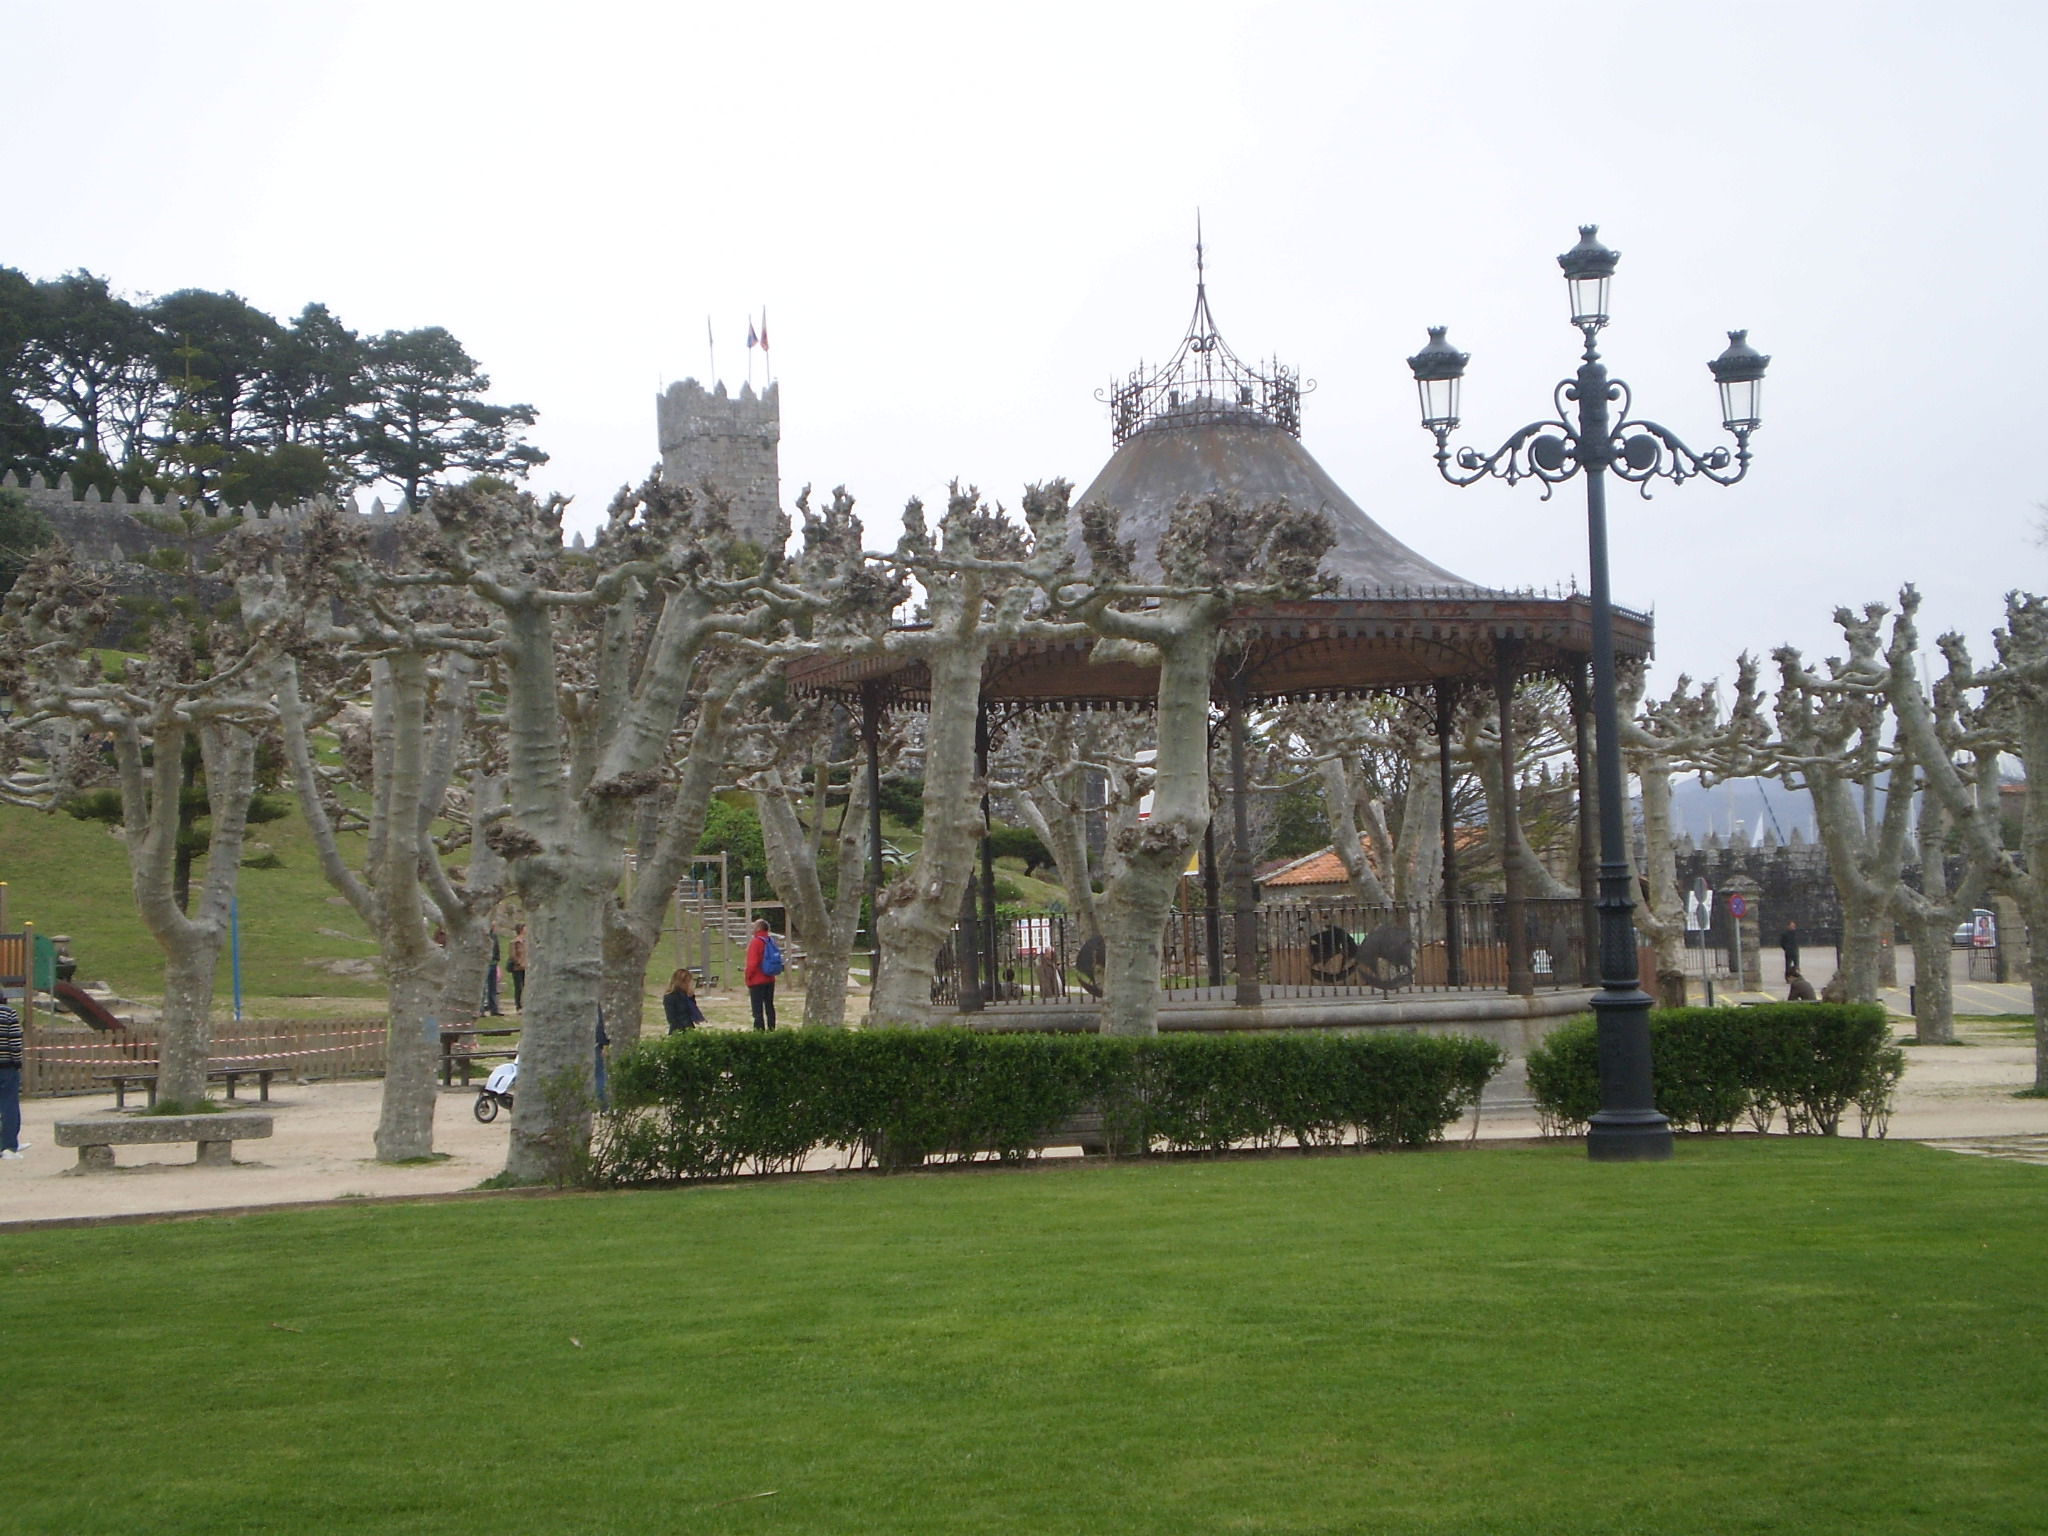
1628 1137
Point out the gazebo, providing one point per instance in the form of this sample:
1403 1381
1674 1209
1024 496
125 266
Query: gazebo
1394 623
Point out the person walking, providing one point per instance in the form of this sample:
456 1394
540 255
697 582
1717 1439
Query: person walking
1788 941
604 1045
12 1047
764 964
491 978
515 965
679 1002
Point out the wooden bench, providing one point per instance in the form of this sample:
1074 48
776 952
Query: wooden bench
98 1135
145 1078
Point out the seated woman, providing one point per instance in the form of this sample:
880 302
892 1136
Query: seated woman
679 1002
1797 988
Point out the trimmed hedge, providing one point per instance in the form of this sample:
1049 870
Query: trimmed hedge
708 1103
1714 1067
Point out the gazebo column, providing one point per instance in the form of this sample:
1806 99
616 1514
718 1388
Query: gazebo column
1243 890
969 970
1579 684
1454 941
871 739
988 853
1212 904
1521 980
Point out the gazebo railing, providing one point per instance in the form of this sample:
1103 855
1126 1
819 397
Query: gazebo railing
1305 949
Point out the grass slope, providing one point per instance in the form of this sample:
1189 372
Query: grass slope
69 876
1781 1336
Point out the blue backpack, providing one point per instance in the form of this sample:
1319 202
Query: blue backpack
771 956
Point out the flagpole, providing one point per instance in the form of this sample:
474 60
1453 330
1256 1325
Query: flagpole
767 362
711 352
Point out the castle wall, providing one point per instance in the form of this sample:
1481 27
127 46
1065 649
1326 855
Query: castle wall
114 535
733 444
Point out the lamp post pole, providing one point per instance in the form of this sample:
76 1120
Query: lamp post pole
1593 433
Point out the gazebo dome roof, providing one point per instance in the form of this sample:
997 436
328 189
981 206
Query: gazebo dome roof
1205 421
1211 447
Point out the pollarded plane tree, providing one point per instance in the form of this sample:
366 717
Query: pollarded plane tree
813 804
1066 768
1538 737
417 648
1959 731
599 650
731 679
1683 732
209 679
1218 555
725 688
1377 764
1834 740
982 576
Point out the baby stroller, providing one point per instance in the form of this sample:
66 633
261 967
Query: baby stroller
497 1089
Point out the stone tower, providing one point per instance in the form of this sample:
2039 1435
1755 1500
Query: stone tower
732 442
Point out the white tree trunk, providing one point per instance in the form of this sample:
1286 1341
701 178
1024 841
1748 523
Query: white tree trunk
1663 919
191 945
1340 804
1419 847
920 910
633 925
828 920
1134 907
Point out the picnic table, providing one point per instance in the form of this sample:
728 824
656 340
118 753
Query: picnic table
145 1077
460 1050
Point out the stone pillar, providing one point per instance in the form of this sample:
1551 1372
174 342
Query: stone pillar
1749 929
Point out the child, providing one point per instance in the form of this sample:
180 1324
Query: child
679 1002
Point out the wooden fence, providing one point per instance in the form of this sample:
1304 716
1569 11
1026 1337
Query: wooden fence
65 1059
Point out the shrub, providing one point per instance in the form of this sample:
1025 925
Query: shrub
1713 1067
709 1103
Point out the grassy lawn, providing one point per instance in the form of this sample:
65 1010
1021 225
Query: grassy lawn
1762 1336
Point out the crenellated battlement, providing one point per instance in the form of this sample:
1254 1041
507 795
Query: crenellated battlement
730 441
62 494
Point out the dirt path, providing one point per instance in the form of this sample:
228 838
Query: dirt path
322 1143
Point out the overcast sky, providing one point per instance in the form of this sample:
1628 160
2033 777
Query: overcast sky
963 220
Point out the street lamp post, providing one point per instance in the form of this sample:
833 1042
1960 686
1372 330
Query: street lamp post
1593 432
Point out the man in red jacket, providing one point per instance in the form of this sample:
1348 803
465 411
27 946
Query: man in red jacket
760 985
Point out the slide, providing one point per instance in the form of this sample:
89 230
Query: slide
86 1006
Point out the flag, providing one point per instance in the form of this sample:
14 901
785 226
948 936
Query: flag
753 341
764 330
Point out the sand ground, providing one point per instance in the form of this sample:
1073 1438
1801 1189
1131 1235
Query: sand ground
321 1150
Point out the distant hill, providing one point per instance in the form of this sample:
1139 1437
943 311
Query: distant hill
1754 805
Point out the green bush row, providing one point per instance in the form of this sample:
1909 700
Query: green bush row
709 1103
1714 1067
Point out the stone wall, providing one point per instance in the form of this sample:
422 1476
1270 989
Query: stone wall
732 443
115 534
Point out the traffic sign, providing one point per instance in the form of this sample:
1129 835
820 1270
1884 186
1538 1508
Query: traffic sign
1738 906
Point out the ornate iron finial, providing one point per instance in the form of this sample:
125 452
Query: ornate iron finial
1204 382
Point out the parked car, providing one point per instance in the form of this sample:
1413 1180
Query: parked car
1979 931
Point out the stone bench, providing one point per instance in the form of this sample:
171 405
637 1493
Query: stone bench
97 1136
